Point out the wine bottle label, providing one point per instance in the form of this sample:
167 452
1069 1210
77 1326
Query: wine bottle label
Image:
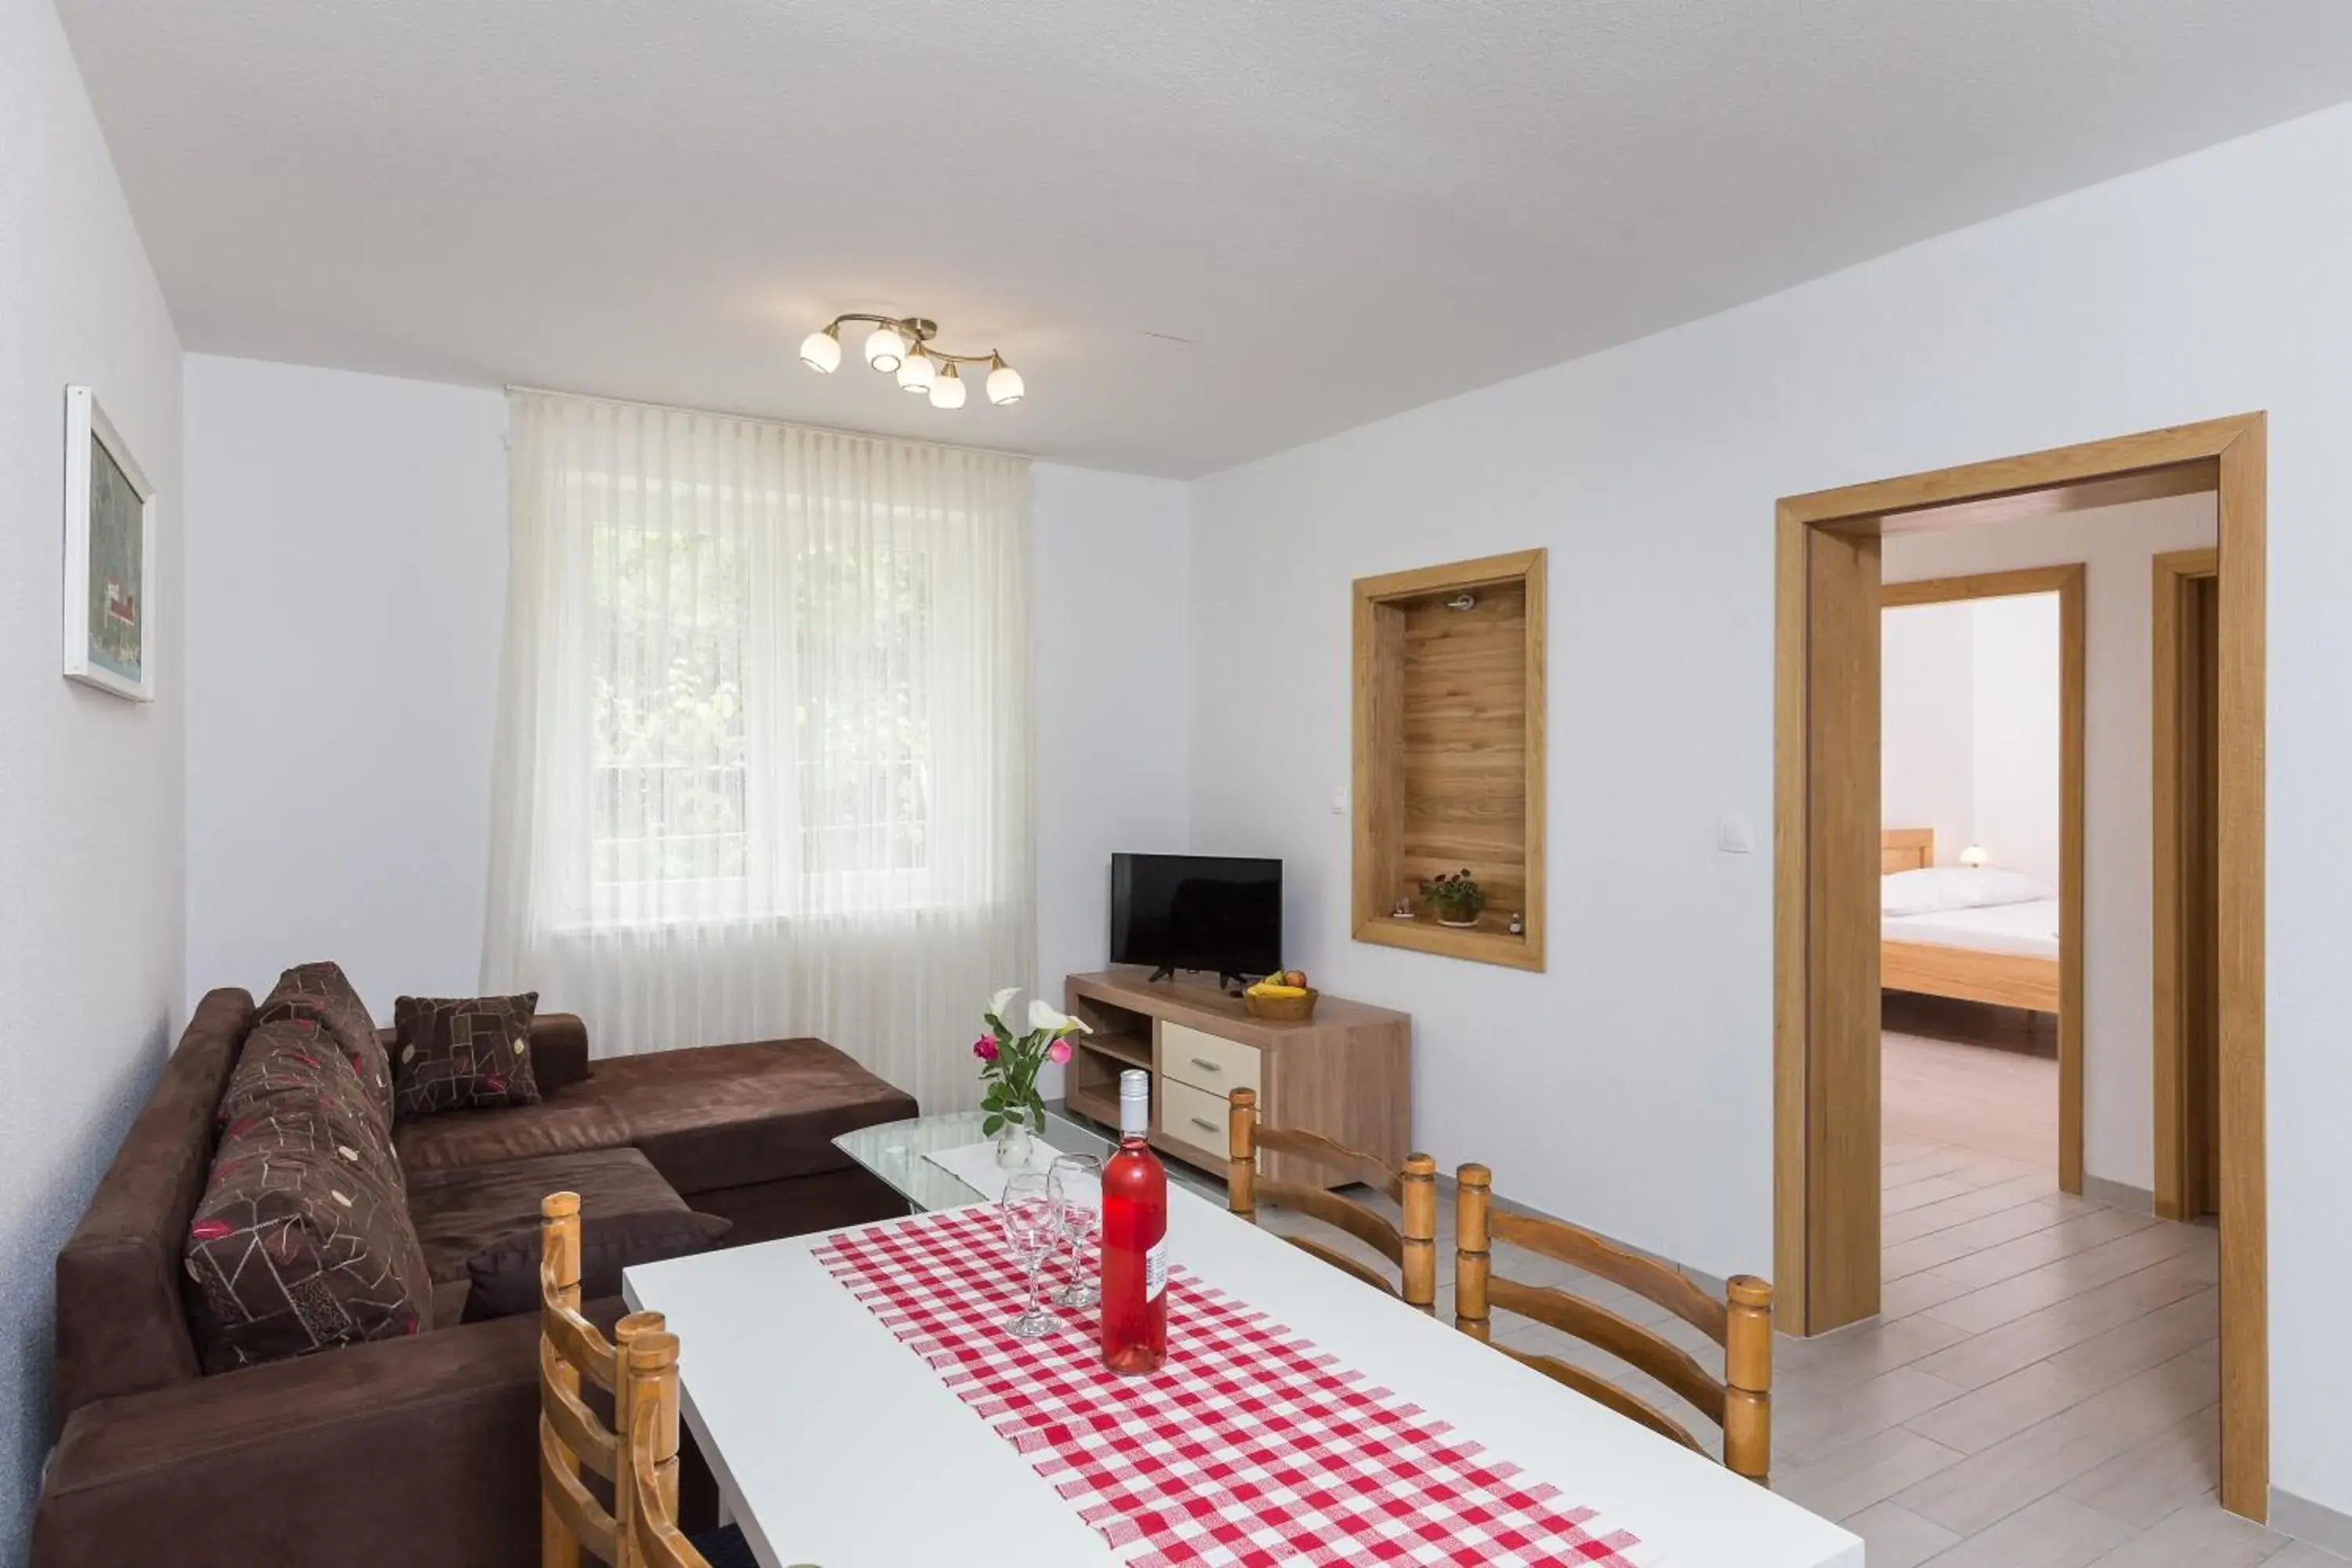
1155 1269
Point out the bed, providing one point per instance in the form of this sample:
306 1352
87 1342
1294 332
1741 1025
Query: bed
2003 952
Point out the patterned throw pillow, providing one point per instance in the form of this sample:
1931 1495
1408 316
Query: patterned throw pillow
293 1250
292 1089
303 1239
322 993
452 1054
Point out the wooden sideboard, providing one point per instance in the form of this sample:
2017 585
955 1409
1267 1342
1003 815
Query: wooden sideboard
1346 1073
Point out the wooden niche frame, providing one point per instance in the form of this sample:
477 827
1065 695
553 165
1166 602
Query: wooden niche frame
1449 753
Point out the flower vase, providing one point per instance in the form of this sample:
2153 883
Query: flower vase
1016 1144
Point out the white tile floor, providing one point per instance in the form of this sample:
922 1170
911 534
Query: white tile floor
2039 1392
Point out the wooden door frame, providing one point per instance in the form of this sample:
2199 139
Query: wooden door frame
2173 572
2066 581
1825 914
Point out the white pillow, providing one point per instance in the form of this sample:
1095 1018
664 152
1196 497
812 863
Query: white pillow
1938 888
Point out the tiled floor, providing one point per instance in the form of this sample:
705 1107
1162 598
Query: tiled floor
1943 1091
2040 1391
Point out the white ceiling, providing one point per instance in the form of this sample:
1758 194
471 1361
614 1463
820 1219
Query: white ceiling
1204 229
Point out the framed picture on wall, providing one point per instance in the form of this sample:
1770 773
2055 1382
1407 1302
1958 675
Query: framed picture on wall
110 555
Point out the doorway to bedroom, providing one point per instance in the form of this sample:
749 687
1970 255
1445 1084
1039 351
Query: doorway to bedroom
1982 698
2140 1287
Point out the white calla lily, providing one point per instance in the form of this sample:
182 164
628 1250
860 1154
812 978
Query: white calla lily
994 1011
1043 1015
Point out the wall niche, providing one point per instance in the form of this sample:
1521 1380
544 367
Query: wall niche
1449 755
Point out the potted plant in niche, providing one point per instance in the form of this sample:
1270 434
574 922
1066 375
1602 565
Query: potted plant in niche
1457 899
1008 1067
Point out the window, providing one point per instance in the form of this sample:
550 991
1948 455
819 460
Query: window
764 735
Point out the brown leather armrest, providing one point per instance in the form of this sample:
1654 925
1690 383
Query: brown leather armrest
558 1051
376 1455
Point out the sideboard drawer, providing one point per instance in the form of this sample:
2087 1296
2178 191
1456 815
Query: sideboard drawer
1206 1061
1197 1118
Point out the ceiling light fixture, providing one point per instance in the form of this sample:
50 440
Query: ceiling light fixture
820 352
902 345
884 348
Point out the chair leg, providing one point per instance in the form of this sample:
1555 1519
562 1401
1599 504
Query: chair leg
558 1547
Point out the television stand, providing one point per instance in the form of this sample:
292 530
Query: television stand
1346 1073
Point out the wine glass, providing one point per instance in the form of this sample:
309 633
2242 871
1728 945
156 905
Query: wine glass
1080 1177
1032 1210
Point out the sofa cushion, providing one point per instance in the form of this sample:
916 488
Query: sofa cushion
459 1054
382 1455
298 1245
322 993
456 1138
481 1224
121 1325
732 1116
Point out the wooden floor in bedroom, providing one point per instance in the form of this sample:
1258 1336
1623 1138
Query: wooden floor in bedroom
1956 1093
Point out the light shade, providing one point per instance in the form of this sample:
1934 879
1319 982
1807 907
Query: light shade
884 349
947 391
1005 386
820 352
1974 857
918 374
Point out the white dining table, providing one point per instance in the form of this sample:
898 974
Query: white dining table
835 1445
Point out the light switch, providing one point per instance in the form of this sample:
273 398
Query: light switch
1735 836
1340 803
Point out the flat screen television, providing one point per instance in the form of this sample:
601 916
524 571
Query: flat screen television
1196 912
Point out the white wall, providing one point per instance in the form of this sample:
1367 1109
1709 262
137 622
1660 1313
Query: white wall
90 848
1650 471
1927 732
347 584
346 580
2114 544
2015 652
1968 731
1112 570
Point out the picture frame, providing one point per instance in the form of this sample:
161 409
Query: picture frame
110 556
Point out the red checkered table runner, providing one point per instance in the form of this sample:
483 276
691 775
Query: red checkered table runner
1250 1447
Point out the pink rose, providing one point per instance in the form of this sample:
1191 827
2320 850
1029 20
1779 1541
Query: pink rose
985 1047
1059 1050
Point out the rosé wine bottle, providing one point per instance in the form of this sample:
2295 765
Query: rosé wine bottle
1134 1238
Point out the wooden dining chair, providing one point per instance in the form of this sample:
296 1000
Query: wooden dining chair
572 1351
1740 1402
1412 1249
654 1539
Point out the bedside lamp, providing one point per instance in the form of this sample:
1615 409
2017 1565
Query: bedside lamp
1974 857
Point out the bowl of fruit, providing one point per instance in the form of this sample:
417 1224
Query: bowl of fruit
1283 998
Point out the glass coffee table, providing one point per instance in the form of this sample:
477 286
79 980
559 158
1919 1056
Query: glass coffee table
895 1149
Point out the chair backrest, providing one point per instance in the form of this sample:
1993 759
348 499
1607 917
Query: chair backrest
654 1536
1412 1246
571 1350
1740 1402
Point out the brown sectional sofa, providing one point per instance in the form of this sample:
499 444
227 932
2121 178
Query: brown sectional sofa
411 1450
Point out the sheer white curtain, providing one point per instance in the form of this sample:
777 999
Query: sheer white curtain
764 746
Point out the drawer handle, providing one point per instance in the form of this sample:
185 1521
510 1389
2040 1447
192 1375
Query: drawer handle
1204 1126
1205 1065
